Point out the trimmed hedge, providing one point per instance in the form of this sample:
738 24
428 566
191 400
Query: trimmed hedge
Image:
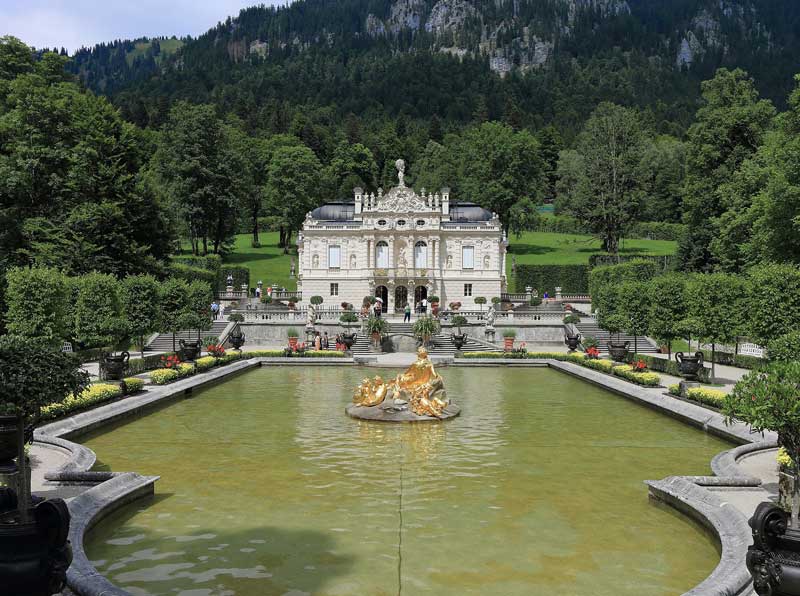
709 397
724 358
669 367
132 385
573 279
648 379
162 376
205 363
210 262
189 273
137 366
661 263
92 395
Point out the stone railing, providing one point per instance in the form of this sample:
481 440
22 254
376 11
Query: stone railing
576 298
287 295
508 297
505 317
299 315
233 295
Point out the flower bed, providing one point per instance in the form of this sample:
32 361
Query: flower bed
206 363
669 367
162 376
627 372
701 395
132 385
647 379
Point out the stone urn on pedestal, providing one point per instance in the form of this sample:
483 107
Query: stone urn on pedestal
114 365
190 350
618 351
349 340
690 366
572 341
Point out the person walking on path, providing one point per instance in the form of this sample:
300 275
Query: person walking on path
325 341
424 306
317 342
214 310
407 313
377 309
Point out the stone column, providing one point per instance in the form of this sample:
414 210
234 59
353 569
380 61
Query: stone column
390 297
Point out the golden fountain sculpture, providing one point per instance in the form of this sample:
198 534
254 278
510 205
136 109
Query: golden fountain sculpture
419 388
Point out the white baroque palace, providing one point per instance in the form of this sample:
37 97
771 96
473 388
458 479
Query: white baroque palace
401 247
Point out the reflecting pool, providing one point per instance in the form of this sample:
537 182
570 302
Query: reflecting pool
267 487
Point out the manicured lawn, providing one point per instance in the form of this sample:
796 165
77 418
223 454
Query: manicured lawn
267 263
271 266
547 248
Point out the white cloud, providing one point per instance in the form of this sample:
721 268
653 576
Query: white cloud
71 24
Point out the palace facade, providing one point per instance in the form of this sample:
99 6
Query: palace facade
401 247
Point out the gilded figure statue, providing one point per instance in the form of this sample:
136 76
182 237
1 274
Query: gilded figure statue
419 386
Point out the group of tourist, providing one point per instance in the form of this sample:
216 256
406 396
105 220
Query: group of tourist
321 341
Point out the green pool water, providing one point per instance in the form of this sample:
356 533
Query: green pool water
267 487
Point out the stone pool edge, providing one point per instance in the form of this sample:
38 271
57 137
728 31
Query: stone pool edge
684 493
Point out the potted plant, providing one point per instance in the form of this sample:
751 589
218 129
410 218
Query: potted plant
434 301
376 327
592 353
291 304
614 324
496 300
292 334
34 539
509 335
480 301
425 328
459 339
768 399
316 300
536 301
266 298
455 306
348 317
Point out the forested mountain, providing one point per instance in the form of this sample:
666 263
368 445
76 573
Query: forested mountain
539 61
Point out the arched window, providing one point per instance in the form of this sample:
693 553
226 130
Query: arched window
420 255
382 255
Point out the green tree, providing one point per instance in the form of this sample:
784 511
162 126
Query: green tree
551 145
773 300
606 196
140 305
351 166
715 303
662 171
667 297
634 306
198 165
99 321
728 129
499 168
173 294
196 311
292 183
37 300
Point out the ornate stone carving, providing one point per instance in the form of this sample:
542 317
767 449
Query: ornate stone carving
401 199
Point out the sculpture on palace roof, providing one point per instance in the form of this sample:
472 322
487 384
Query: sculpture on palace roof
401 171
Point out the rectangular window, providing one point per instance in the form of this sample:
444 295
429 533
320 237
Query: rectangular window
334 289
382 256
468 257
467 290
334 257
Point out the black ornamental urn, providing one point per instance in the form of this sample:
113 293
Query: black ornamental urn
459 340
689 366
774 557
190 350
115 365
572 341
348 339
35 554
236 339
618 351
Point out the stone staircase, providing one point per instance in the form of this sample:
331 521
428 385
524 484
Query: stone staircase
163 343
442 345
588 327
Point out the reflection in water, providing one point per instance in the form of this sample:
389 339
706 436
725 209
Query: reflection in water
269 488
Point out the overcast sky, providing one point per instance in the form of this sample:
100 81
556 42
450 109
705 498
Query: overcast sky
75 23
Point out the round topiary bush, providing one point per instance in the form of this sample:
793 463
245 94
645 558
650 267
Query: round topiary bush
316 300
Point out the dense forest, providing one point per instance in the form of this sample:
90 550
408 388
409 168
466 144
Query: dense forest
541 62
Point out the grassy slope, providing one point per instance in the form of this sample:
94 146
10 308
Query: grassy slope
270 265
168 47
